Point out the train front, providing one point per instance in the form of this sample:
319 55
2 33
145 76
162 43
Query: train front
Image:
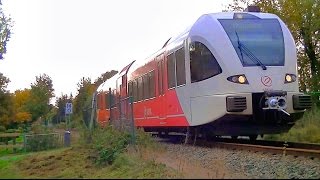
258 83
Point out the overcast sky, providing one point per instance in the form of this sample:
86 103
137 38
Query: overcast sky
71 39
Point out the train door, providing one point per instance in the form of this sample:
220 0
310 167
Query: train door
161 96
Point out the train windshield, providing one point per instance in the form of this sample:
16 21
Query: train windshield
258 42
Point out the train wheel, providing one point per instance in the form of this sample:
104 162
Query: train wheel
253 137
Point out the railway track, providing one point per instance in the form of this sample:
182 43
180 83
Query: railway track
275 147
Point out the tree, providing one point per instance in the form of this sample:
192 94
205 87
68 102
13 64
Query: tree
5 31
302 18
85 91
6 103
20 99
61 104
40 94
104 77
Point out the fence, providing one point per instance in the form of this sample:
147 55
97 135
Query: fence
121 115
39 142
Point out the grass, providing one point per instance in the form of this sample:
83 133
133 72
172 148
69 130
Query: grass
305 130
8 168
80 161
77 162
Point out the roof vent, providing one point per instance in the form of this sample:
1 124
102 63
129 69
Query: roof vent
252 9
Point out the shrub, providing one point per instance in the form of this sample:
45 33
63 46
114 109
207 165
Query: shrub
39 142
2 129
109 143
145 139
10 130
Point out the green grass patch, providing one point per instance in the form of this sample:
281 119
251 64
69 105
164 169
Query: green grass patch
8 168
305 130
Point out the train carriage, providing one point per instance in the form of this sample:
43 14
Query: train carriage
230 73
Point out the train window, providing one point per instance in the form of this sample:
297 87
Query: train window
130 88
171 71
163 80
113 98
145 79
152 84
140 89
180 67
107 100
98 101
203 64
124 79
160 78
135 90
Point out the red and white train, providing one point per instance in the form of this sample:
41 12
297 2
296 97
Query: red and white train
230 73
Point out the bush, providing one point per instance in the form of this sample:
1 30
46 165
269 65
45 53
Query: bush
109 143
10 130
145 139
2 129
41 142
40 129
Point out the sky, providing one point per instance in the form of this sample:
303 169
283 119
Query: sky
71 39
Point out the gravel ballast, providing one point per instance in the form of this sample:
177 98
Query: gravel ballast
246 164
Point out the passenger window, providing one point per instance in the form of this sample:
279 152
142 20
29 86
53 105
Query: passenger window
99 101
203 64
107 99
145 86
152 84
135 90
160 77
171 71
113 98
130 88
180 67
140 89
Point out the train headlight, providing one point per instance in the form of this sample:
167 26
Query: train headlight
240 79
289 78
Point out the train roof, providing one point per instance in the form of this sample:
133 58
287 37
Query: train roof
178 39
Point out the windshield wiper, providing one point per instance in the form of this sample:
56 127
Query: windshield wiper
239 46
251 56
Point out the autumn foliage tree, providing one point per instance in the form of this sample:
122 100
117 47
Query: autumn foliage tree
20 99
